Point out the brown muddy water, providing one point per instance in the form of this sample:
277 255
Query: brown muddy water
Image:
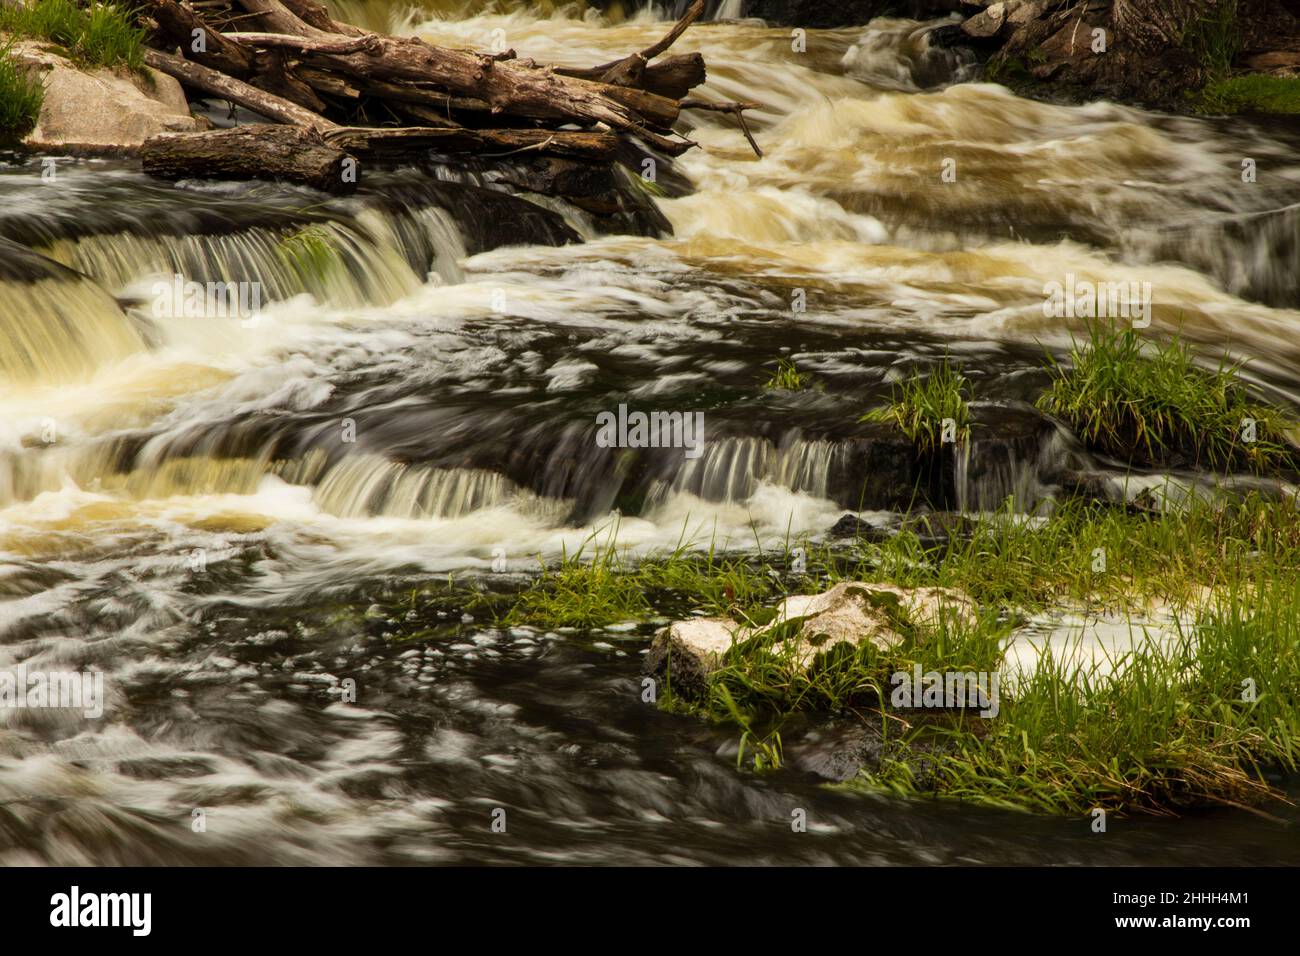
180 510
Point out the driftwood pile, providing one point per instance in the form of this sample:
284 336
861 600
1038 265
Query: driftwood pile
339 97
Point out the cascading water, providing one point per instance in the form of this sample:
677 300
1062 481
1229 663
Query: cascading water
205 508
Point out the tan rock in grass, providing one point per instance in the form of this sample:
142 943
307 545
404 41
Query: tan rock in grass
687 652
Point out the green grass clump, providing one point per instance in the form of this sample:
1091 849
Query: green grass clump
920 405
21 96
1214 37
582 593
1250 93
1157 405
102 35
1193 724
787 376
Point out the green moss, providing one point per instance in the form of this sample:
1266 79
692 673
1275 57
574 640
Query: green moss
1010 71
21 95
1251 93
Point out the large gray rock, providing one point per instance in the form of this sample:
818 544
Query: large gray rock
686 653
101 110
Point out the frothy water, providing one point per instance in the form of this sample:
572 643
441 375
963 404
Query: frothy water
232 519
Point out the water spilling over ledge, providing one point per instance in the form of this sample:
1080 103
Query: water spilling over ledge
232 515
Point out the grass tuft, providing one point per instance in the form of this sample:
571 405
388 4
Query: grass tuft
921 405
1214 38
1157 405
104 34
21 95
787 376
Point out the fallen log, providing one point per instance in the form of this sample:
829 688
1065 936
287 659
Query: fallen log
366 142
258 151
209 81
383 97
634 65
532 92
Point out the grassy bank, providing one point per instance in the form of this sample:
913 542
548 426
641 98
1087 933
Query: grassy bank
1170 729
101 35
1195 724
1250 93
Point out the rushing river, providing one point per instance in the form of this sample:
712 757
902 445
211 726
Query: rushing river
183 508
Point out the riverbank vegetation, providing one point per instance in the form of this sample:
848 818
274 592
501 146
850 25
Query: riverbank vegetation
1251 93
103 34
1198 714
1203 56
20 99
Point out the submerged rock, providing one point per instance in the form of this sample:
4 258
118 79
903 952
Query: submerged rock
684 654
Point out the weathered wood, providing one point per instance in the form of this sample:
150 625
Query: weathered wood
508 87
368 43
291 62
408 140
531 92
672 76
259 151
318 16
675 75
209 81
177 23
630 70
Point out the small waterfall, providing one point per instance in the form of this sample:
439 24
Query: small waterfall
60 330
731 469
343 265
114 467
986 473
357 486
367 485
